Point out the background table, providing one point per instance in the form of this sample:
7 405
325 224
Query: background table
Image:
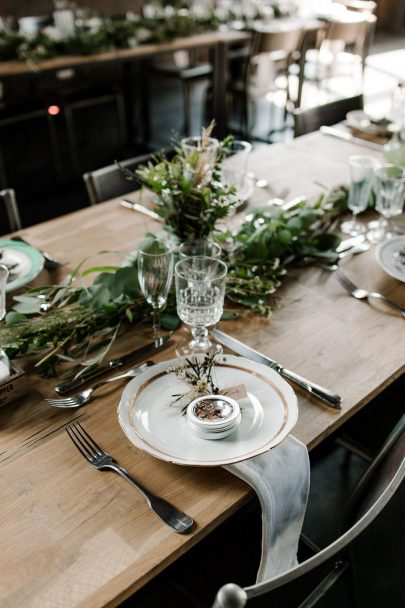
71 536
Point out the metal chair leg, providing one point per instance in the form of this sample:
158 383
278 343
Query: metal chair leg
186 107
72 142
339 568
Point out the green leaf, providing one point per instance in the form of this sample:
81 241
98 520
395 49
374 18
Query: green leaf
28 308
12 318
169 321
284 236
94 269
307 218
129 315
295 225
326 241
227 315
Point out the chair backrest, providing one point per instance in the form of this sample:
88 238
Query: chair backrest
361 6
271 41
306 121
109 182
371 495
347 31
8 198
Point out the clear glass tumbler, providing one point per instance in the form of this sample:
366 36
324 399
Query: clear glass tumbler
200 292
155 273
361 182
390 196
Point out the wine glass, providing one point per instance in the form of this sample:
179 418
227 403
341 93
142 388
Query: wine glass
234 169
361 174
155 273
198 248
390 193
200 292
199 157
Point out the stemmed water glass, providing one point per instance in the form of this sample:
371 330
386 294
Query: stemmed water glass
200 292
390 196
234 169
361 175
155 273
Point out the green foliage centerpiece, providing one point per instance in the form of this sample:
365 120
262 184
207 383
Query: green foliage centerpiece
76 325
190 196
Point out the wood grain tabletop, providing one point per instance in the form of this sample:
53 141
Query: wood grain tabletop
71 536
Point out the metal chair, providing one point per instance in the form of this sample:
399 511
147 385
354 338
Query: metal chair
306 121
372 493
271 53
188 69
342 48
8 198
109 182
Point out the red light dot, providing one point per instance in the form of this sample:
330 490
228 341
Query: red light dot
53 110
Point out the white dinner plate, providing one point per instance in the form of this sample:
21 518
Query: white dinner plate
154 425
389 257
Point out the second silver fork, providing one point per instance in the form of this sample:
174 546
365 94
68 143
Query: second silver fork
364 294
85 396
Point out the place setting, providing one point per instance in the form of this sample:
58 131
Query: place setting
201 303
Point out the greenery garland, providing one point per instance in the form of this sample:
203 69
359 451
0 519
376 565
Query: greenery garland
75 325
119 32
113 34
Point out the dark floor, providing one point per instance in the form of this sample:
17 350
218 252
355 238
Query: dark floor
231 553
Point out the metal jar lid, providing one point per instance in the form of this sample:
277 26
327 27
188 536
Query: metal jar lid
213 416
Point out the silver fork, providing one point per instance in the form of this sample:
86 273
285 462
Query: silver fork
100 460
363 294
85 396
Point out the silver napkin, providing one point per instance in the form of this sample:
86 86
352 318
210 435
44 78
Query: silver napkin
280 478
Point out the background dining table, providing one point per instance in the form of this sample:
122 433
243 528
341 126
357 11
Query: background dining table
71 536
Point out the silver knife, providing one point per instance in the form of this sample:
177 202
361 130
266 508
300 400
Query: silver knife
157 345
142 209
351 138
317 391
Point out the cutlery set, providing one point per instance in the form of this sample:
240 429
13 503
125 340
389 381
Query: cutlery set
84 396
155 346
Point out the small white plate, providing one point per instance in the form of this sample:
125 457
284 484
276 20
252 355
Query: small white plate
388 256
149 421
24 262
359 120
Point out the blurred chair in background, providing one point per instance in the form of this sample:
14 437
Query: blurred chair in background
338 61
188 68
306 121
9 201
266 73
110 182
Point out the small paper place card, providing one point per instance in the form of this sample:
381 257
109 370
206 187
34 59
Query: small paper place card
237 392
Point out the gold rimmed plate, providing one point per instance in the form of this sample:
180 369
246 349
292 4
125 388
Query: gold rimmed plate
153 424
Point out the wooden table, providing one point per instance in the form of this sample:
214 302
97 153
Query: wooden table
71 536
217 41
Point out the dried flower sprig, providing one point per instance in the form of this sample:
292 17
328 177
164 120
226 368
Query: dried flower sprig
198 375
